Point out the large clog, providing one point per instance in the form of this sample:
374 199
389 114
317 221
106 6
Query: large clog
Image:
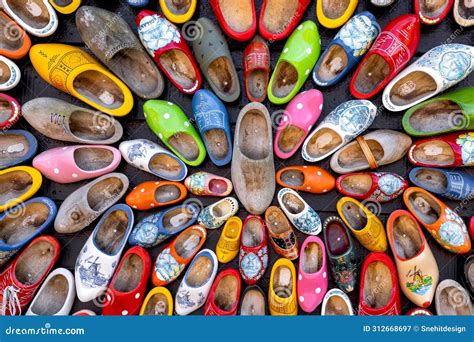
463 12
178 11
432 12
336 303
452 299
228 246
65 6
238 19
254 302
10 74
10 111
224 295
14 42
312 179
215 215
253 257
155 194
282 289
158 302
256 69
207 184
17 184
281 233
333 14
16 147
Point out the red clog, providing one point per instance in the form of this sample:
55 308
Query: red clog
471 227
432 12
127 288
256 69
389 54
224 296
10 111
20 280
238 19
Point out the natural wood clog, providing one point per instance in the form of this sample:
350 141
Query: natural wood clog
452 299
282 290
254 302
16 147
336 303
432 12
14 42
256 69
281 233
155 194
224 296
305 178
333 14
178 11
17 184
65 6
207 184
463 12
228 245
10 111
158 302
10 74
238 19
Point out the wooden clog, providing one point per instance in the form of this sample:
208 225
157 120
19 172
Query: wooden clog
207 184
14 42
158 302
254 302
224 296
282 290
10 111
16 147
333 14
432 12
463 12
336 303
452 299
65 6
149 195
228 245
312 179
238 19
178 11
256 69
10 74
253 257
17 184
281 233
215 215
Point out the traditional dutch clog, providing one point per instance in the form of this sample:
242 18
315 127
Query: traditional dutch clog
65 6
377 186
213 56
84 312
468 274
389 54
138 3
64 121
10 74
256 69
158 302
253 257
228 246
379 293
346 49
365 225
224 296
72 164
196 284
445 225
432 12
338 128
238 19
312 179
165 44
450 150
17 184
312 274
23 276
126 291
333 14
253 168
254 302
172 126
281 233
215 215
56 296
119 49
75 72
16 146
88 202
98 259
374 149
336 303
10 111
178 11
296 61
419 312
434 72
282 289
156 228
300 214
14 42
213 124
463 12
155 194
207 184
452 299
297 120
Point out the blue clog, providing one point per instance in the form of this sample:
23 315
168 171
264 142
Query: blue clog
158 227
456 185
16 147
20 224
346 49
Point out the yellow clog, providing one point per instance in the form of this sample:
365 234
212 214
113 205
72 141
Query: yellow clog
229 242
69 8
333 14
365 226
17 184
178 11
158 302
75 72
282 291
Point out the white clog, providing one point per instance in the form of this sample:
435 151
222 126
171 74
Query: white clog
301 215
9 74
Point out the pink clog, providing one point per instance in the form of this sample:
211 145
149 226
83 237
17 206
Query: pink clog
298 119
312 274
76 163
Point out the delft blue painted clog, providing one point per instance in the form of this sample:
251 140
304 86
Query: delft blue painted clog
214 126
138 3
346 49
158 227
16 147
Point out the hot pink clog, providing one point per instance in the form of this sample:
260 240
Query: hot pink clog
75 163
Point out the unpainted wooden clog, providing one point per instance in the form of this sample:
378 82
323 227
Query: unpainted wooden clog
155 194
254 302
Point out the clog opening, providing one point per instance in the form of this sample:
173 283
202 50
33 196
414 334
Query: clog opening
292 178
289 138
218 187
200 272
465 9
12 148
91 126
129 274
312 258
179 68
406 237
425 207
337 240
334 9
165 166
232 229
237 14
434 152
253 303
412 87
372 73
167 193
276 221
62 3
176 219
337 306
34 262
253 232
111 232
5 73
221 74
13 185
257 83
178 7
378 285
286 77
292 203
352 157
5 109
357 184
453 301
433 9
187 243
279 14
33 13
355 216
253 135
222 209
438 117
283 282
185 144
157 305
323 142
431 180
12 37
225 297
52 297
217 143
93 158
103 193
333 63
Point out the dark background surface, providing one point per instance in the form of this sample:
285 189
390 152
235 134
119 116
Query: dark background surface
32 86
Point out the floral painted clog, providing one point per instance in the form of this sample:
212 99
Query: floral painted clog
389 54
377 186
432 12
228 246
16 147
158 302
300 214
126 291
417 268
253 257
312 179
149 195
444 224
166 45
333 14
346 49
156 228
215 215
379 293
178 11
173 259
196 284
338 128
14 42
23 276
11 74
437 70
238 19
10 111
17 184
172 126
298 118
282 235
65 7
76 73
365 225
296 61
336 303
256 69
312 274
452 299
224 296
462 11
213 123
282 290
254 302
207 184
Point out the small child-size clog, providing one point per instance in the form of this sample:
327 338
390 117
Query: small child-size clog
14 42
224 295
17 184
10 74
282 290
76 73
16 147
432 12
463 12
155 194
301 215
333 14
178 11
296 61
172 126
312 179
207 184
65 7
452 299
215 215
238 19
254 302
256 69
158 302
336 303
253 257
10 111
281 233
228 246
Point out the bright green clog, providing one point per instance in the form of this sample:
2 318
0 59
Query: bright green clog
172 126
298 58
451 112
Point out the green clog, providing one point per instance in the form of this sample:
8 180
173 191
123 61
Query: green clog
172 126
451 112
298 58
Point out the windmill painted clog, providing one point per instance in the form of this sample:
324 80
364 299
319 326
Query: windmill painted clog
14 42
253 257
452 299
228 246
282 290
65 7
462 11
281 233
254 302
336 303
16 147
224 295
158 302
312 179
215 215
238 19
10 74
432 12
256 69
178 11
207 184
156 194
17 184
333 14
10 111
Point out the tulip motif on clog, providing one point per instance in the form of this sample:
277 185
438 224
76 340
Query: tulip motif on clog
207 184
214 216
303 217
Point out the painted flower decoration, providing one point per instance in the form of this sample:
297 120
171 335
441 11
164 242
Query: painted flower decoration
156 32
358 34
466 141
390 184
454 65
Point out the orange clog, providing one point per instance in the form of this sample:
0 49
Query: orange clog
149 195
306 178
14 42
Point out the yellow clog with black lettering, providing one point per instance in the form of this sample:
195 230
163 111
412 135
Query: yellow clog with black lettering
17 184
